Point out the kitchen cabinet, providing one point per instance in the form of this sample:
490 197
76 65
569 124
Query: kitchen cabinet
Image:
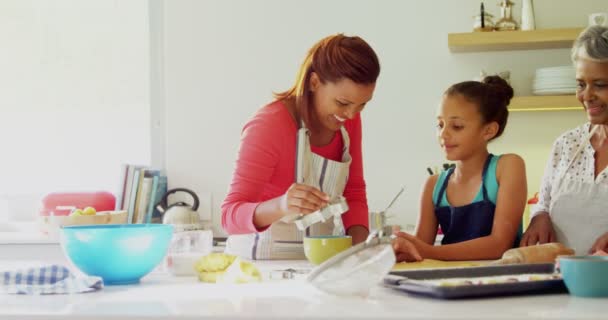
521 40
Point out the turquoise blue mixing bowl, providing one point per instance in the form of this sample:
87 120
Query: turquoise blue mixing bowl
585 276
120 253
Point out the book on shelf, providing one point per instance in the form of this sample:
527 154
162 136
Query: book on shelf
123 184
151 201
141 206
142 188
159 189
133 195
124 194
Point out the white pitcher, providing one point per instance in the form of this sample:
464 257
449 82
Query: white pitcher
527 15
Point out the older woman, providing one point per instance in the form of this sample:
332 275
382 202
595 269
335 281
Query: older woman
573 202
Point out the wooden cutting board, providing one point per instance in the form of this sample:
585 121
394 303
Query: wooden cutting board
438 264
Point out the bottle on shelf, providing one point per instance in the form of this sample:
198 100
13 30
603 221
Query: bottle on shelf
506 22
483 21
527 15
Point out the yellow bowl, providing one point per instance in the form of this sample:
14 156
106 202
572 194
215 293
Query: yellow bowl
320 248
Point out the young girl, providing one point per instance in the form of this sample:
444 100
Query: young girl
479 203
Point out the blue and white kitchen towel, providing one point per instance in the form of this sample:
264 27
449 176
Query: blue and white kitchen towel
51 279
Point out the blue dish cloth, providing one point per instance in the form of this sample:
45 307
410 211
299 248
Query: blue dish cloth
52 279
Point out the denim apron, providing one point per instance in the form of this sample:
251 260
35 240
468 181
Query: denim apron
283 240
466 222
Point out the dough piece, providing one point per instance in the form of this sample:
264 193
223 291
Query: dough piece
225 268
544 253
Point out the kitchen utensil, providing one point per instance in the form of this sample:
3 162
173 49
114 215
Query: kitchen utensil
585 276
320 248
185 249
335 209
378 219
181 215
288 274
394 199
455 283
356 270
119 253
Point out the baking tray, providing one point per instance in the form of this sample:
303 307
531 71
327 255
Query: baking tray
420 282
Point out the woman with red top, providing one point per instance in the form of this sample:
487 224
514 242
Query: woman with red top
301 154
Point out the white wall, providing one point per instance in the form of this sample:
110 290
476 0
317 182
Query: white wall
75 96
223 59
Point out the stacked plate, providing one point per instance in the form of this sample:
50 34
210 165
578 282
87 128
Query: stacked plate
554 81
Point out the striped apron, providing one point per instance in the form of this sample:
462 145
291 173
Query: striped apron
283 240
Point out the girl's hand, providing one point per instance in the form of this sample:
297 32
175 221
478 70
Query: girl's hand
405 247
303 199
600 245
539 231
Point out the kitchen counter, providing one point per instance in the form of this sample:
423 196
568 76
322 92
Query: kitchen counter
160 295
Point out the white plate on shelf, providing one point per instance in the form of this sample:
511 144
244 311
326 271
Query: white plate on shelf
567 68
561 87
553 73
549 92
555 87
565 74
570 81
555 78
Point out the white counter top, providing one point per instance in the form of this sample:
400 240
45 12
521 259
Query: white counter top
162 296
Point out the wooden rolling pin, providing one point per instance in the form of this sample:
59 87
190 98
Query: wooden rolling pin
544 253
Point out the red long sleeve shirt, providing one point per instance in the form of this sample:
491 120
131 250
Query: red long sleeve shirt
265 168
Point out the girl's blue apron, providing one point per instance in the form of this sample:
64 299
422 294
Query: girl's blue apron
466 222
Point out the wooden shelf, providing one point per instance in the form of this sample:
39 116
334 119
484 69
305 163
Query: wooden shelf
512 40
522 40
544 103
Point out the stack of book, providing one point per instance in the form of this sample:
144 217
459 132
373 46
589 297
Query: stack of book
141 190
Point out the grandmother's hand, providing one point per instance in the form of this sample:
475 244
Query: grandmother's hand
600 245
539 231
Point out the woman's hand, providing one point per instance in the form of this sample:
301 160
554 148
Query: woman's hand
357 233
303 199
600 245
539 231
406 247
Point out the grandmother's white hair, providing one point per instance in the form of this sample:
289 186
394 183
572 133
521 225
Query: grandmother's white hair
591 44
